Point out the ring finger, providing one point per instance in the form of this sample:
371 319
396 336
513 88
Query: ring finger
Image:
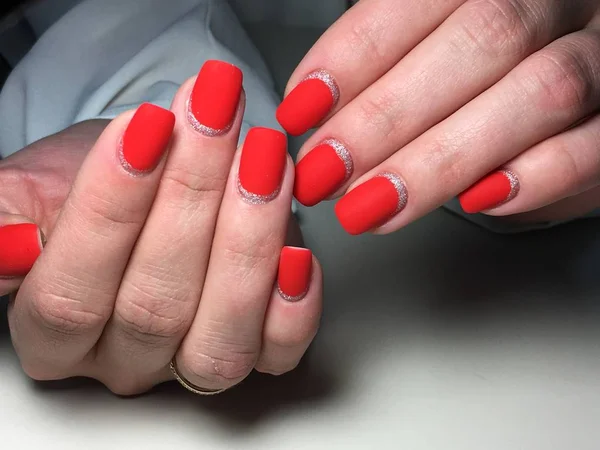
224 341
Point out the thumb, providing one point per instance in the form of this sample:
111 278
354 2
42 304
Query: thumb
21 242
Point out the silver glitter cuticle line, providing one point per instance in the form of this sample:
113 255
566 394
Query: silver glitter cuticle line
256 199
343 154
400 189
128 167
328 79
289 298
203 129
515 186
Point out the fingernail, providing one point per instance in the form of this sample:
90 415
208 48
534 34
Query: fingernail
215 98
146 138
20 246
372 204
295 273
322 172
262 165
308 103
492 191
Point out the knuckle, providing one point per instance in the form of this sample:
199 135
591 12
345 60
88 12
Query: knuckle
153 316
380 112
37 371
569 173
297 338
125 386
561 80
182 186
277 369
247 253
365 37
208 370
64 316
104 211
497 28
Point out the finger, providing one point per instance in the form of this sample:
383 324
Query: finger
562 166
568 208
224 342
21 243
161 288
472 50
64 303
358 49
294 312
548 92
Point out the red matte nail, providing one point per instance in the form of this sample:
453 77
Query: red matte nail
262 164
295 272
490 192
322 172
146 138
20 246
215 98
308 103
372 204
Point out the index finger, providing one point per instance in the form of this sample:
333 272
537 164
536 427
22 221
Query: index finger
355 52
69 294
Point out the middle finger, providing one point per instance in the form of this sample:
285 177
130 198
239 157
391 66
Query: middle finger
161 288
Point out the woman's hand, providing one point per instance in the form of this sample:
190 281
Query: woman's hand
422 100
169 245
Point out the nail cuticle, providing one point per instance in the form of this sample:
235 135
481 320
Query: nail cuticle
203 129
256 199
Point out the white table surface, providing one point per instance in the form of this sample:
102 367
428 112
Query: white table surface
441 336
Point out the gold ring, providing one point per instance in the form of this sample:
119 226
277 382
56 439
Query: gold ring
189 386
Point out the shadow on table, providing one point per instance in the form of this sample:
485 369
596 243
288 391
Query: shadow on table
439 276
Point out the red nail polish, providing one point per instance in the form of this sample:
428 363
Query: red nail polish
372 203
322 172
146 138
490 192
20 246
308 103
215 98
295 273
262 165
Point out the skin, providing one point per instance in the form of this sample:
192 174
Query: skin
138 270
508 84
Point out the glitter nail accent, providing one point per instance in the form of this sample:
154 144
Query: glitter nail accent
328 79
203 129
128 167
256 199
515 186
289 298
343 154
400 188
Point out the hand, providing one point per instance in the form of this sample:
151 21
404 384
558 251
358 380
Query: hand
167 246
494 99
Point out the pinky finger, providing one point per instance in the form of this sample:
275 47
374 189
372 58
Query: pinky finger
294 312
560 167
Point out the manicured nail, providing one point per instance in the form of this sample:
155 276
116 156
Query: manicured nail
146 138
492 191
372 204
322 172
215 98
20 246
295 273
308 103
262 165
